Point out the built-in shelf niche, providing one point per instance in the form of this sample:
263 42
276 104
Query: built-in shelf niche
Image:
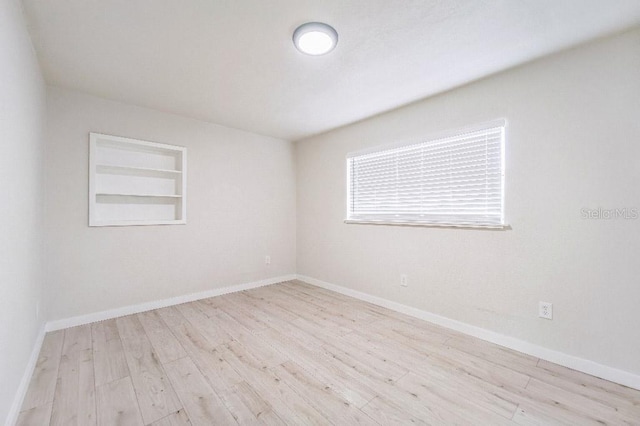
134 182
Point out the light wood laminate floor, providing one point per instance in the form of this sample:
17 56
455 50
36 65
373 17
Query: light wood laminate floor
295 354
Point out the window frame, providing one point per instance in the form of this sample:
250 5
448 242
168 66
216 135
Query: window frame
432 138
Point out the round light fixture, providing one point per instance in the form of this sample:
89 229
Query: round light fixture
315 38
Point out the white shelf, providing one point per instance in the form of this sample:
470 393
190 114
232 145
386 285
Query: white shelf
134 171
116 194
138 222
134 182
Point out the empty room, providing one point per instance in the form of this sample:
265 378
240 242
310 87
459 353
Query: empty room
294 212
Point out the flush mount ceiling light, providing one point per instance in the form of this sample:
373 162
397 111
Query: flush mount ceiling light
315 38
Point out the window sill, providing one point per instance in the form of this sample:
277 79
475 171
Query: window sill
427 224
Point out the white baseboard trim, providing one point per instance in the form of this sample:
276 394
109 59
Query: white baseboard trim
156 304
14 411
590 367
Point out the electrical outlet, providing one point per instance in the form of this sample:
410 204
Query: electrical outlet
545 310
267 260
403 280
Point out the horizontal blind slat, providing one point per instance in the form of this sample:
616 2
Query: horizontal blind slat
429 156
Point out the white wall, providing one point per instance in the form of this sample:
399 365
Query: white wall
573 142
22 98
240 207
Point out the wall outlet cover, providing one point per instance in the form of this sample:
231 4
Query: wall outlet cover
403 280
545 310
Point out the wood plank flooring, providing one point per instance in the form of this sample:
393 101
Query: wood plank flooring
295 354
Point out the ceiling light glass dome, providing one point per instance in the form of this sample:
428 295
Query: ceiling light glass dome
315 38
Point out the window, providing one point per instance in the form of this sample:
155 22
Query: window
453 180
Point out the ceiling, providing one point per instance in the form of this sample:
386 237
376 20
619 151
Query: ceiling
232 62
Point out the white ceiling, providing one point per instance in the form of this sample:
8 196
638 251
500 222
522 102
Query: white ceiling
232 62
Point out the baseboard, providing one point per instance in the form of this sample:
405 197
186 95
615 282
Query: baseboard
14 411
590 367
148 306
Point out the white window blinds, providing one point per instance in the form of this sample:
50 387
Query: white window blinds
456 180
